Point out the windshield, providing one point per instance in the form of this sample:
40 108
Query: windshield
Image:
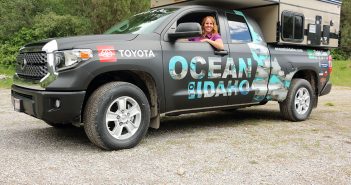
142 23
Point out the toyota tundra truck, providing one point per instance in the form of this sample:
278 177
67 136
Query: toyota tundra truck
118 84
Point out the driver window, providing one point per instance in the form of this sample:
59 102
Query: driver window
194 17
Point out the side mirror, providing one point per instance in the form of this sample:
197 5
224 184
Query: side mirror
186 30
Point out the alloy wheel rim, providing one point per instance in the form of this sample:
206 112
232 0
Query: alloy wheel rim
123 118
302 101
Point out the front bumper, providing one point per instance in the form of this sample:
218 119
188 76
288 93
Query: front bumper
43 104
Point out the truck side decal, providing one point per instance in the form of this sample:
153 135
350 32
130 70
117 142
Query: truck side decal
279 82
259 84
200 88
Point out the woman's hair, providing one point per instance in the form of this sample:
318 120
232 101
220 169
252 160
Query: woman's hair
215 27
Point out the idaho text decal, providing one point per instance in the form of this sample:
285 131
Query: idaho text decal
106 53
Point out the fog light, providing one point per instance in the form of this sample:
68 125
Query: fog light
57 103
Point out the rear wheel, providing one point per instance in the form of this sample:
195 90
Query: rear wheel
117 116
299 102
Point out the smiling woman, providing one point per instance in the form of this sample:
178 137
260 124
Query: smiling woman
210 33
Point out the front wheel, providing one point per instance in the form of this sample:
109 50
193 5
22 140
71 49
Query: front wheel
299 102
117 116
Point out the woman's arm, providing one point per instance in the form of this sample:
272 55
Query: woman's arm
218 44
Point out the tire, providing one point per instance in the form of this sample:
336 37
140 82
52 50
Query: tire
116 116
299 102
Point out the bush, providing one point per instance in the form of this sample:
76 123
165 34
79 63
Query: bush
24 21
47 25
52 25
340 54
9 50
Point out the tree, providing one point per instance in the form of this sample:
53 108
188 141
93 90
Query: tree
345 25
24 21
15 15
106 13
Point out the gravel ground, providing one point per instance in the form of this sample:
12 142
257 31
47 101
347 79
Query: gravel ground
248 146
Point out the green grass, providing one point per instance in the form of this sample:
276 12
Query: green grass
341 75
8 72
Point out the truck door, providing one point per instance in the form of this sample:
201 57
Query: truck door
250 72
193 70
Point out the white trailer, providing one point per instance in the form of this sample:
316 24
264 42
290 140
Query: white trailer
314 23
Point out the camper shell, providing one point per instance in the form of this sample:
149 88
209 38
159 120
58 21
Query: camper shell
311 23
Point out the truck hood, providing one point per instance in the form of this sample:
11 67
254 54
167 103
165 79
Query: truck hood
65 43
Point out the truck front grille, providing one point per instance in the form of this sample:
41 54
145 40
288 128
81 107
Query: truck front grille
32 66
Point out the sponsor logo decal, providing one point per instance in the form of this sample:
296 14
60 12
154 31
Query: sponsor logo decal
106 53
316 54
136 53
289 50
324 65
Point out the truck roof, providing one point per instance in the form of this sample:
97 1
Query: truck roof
239 4
221 3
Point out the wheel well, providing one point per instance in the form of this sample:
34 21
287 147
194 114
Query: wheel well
141 79
310 76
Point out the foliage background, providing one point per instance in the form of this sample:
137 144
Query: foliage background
344 52
24 21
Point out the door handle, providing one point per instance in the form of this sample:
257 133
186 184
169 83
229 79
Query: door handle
221 52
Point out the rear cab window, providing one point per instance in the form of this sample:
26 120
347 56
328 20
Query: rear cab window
238 29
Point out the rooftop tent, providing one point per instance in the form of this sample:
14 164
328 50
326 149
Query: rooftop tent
312 23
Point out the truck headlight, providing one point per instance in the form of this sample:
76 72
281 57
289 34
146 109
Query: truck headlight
69 58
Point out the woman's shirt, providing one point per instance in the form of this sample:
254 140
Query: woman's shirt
212 37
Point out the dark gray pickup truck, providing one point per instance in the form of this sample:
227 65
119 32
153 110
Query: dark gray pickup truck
119 84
